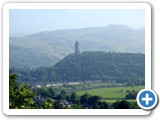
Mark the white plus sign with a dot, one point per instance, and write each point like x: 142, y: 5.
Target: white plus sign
x: 147, y: 99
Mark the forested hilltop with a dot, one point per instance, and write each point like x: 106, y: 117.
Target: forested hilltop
x: 90, y: 66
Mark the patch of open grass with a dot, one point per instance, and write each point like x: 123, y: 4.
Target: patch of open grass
x: 111, y: 93
x: 114, y: 100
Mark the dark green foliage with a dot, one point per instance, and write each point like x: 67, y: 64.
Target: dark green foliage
x: 109, y: 67
x: 93, y: 99
x: 20, y: 95
x: 121, y: 67
x: 125, y: 105
x: 45, y: 92
x: 52, y: 93
x: 92, y: 102
x: 121, y: 105
x: 74, y: 98
x: 101, y: 105
x: 84, y: 99
x: 63, y: 94
x: 131, y: 95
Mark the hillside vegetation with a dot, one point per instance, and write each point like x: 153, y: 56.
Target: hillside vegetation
x: 91, y: 66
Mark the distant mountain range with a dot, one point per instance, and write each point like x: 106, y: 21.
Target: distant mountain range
x: 47, y: 48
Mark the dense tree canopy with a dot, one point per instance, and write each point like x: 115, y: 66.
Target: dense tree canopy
x: 125, y: 105
x: 105, y: 66
x: 20, y: 95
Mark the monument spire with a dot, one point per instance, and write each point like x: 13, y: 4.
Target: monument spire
x: 77, y: 48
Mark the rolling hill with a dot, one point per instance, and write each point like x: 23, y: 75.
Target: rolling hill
x: 47, y: 48
x: 91, y: 66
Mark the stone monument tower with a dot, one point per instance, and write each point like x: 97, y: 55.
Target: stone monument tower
x: 77, y: 48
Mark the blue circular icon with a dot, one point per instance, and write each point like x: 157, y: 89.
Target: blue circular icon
x: 147, y: 99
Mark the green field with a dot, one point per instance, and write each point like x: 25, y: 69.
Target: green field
x: 111, y: 93
x: 112, y: 101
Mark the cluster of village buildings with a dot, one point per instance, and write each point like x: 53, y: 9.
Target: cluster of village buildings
x: 67, y: 83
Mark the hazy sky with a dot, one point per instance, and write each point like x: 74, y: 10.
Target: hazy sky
x: 31, y: 21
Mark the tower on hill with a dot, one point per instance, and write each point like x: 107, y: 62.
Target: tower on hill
x: 77, y: 48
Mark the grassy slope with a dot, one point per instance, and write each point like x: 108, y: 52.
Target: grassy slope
x: 112, y: 101
x: 111, y: 93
